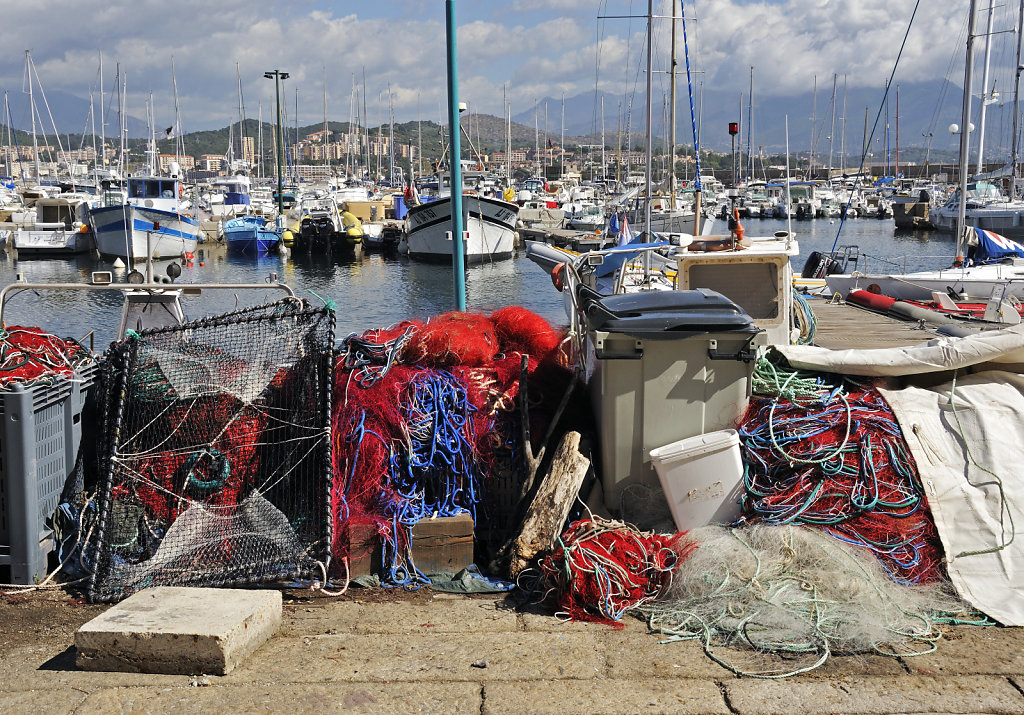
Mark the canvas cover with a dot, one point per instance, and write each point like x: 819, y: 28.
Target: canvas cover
x: 967, y: 437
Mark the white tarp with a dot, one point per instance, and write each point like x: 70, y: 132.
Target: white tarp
x: 967, y: 437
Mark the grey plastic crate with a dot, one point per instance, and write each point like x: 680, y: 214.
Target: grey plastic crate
x: 40, y: 432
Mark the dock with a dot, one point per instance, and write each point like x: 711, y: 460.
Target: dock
x: 842, y: 326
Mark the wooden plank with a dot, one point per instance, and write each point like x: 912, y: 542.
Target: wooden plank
x: 444, y: 544
x: 842, y: 326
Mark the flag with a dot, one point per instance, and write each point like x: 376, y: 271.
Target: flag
x: 549, y: 143
x: 625, y: 236
x: 169, y: 132
x: 613, y: 225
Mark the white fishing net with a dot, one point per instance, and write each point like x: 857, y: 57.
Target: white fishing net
x: 772, y: 601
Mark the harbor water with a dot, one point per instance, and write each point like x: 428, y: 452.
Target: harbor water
x: 372, y: 290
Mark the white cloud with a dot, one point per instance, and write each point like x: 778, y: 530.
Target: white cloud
x: 539, y: 47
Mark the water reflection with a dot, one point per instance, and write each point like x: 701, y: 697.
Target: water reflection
x: 371, y: 289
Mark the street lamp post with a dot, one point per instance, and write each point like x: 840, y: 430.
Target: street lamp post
x: 277, y: 76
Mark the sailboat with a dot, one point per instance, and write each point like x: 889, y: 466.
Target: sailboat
x: 994, y: 263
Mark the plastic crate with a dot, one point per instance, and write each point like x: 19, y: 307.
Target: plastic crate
x: 40, y: 432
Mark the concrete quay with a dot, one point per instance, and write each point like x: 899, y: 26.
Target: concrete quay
x: 378, y: 651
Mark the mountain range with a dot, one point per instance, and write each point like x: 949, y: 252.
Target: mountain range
x: 925, y: 108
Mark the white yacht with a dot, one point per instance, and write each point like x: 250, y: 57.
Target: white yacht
x: 61, y: 227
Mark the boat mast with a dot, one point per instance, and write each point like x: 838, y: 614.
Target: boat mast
x: 561, y: 143
x: 672, y: 120
x: 750, y: 126
x: 896, y: 172
x: 366, y: 118
x: 103, y: 119
x: 604, y: 165
x: 391, y: 136
x: 814, y: 119
x: 842, y: 144
x: 965, y: 123
x: 986, y: 97
x: 650, y: 74
x: 326, y: 136
x: 832, y: 131
x: 241, y: 118
x: 32, y: 111
x: 1016, y: 105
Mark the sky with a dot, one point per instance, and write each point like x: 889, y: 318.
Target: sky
x: 523, y: 49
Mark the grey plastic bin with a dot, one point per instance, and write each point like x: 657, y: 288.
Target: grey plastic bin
x: 668, y: 365
x: 40, y: 432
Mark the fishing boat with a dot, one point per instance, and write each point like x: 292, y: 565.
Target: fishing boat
x: 152, y: 216
x: 61, y: 227
x: 489, y: 226
x: 251, y: 234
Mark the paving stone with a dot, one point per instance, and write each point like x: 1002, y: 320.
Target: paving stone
x: 604, y: 696
x: 973, y: 651
x: 640, y: 655
x: 179, y: 630
x: 543, y: 621
x: 319, y: 698
x: 376, y: 658
x: 52, y: 667
x: 964, y: 694
x: 41, y: 702
x: 458, y: 616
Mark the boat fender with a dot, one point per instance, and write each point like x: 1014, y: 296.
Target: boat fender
x: 558, y: 277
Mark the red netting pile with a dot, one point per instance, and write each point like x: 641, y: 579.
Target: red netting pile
x: 602, y: 569
x: 422, y: 412
x: 840, y: 463
x: 28, y: 355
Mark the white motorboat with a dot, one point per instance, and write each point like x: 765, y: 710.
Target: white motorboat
x: 152, y: 221
x: 61, y: 227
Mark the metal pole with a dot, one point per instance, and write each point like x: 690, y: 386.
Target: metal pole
x: 965, y: 138
x: 455, y: 153
x: 278, y: 75
x: 650, y: 72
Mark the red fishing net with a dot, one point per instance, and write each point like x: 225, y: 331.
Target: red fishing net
x: 602, y: 569
x: 29, y: 354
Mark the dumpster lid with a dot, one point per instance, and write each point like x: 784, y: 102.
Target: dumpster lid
x: 668, y: 311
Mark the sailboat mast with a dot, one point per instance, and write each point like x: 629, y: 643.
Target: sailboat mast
x: 1016, y: 104
x: 241, y: 117
x: 604, y: 165
x: 965, y: 123
x: 327, y: 153
x: 32, y: 111
x: 391, y: 136
x: 750, y: 126
x: 897, y: 170
x: 832, y: 131
x: 650, y: 74
x: 842, y: 144
x: 814, y: 120
x: 672, y: 118
x: 986, y: 96
x: 103, y: 119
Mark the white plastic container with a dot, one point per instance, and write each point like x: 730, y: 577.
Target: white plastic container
x: 702, y: 478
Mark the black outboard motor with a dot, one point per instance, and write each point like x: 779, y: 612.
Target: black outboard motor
x: 819, y: 265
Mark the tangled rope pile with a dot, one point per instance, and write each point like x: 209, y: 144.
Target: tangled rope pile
x: 601, y: 569
x: 423, y: 413
x: 826, y: 451
x: 29, y: 355
x: 784, y: 598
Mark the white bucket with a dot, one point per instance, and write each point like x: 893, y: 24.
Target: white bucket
x: 702, y: 478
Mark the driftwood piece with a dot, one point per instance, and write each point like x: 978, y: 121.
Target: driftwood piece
x: 551, y: 505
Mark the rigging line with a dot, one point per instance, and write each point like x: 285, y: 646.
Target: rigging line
x: 689, y: 86
x: 949, y: 70
x: 600, y: 32
x: 888, y: 85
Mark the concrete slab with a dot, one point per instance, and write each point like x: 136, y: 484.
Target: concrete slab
x: 973, y: 651
x: 179, y: 630
x: 640, y: 656
x: 459, y: 615
x: 425, y: 657
x: 600, y: 697
x: 41, y: 702
x: 964, y: 694
x: 319, y: 698
x: 50, y: 666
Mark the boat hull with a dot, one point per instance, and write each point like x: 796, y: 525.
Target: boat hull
x: 125, y: 230
x: 976, y: 281
x: 490, y: 224
x: 60, y: 242
x: 250, y: 236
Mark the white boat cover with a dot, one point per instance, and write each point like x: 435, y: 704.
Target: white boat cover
x: 967, y: 437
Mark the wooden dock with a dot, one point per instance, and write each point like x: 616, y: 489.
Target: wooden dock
x: 842, y: 326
